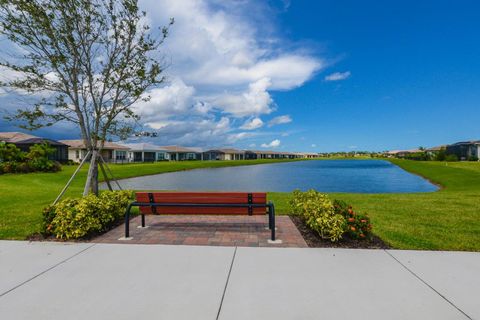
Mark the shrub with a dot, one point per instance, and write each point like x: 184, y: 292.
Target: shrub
x: 79, y: 218
x: 357, y: 225
x: 38, y: 157
x: 451, y: 157
x: 318, y: 212
x: 13, y: 160
x: 10, y: 152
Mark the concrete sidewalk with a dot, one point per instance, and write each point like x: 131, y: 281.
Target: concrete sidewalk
x: 114, y: 281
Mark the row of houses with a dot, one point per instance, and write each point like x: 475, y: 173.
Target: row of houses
x: 75, y: 150
x: 463, y: 150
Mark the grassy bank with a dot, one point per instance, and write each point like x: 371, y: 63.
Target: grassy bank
x: 23, y: 196
x: 445, y: 220
x: 448, y: 219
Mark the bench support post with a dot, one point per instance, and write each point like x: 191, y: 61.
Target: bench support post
x: 143, y: 221
x: 271, y: 219
x: 127, y: 220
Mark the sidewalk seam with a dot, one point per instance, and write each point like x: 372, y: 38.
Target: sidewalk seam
x: 226, y: 283
x: 428, y: 285
x: 46, y: 270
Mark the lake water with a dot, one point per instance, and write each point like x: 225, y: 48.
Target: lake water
x: 353, y: 176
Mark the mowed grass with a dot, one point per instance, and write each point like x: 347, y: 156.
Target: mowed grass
x: 448, y: 219
x: 23, y: 196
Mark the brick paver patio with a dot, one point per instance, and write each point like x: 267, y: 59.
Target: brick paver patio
x: 243, y: 231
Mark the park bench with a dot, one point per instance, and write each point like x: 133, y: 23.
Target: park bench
x: 202, y: 203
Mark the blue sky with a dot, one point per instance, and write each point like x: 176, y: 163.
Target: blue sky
x: 314, y: 75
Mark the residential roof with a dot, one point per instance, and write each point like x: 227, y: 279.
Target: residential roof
x: 403, y: 151
x: 24, y: 138
x: 78, y: 144
x: 437, y: 148
x: 228, y: 150
x: 269, y: 152
x: 143, y: 147
x: 178, y: 149
x: 467, y: 142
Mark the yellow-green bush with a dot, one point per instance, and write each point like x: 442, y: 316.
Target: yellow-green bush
x: 79, y: 218
x: 318, y: 212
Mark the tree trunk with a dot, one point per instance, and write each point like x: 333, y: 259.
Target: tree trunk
x: 91, y: 184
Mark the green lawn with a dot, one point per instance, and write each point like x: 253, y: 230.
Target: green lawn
x: 23, y: 196
x: 448, y: 219
x: 445, y: 220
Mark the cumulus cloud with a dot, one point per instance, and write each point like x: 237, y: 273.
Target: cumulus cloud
x: 274, y: 144
x: 222, y: 61
x: 280, y: 120
x: 252, y: 124
x: 338, y: 76
x: 255, y: 101
x: 173, y: 99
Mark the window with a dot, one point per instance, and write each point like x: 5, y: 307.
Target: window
x: 160, y: 156
x: 121, y: 155
x: 77, y: 154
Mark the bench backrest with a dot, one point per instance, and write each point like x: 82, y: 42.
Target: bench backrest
x: 203, y: 198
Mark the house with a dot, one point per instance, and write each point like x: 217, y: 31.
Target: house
x: 307, y: 155
x: 145, y: 152
x: 465, y: 150
x: 224, y: 154
x: 177, y: 153
x: 24, y: 141
x: 266, y: 154
x: 435, y: 150
x: 111, y: 152
x: 401, y: 153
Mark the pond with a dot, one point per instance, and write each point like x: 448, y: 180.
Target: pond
x: 352, y: 176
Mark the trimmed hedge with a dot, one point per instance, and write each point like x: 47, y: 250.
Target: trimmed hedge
x: 87, y: 216
x: 330, y: 219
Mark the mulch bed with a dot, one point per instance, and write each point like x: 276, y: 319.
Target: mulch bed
x: 314, y: 241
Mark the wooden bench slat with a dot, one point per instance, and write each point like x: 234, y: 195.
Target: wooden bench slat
x: 204, y: 194
x: 202, y: 211
x: 203, y: 198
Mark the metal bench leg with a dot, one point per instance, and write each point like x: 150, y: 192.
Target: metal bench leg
x: 143, y: 221
x: 272, y: 221
x: 127, y: 223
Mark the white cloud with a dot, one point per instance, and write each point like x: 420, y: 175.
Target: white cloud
x: 223, y: 60
x: 255, y: 101
x: 314, y: 145
x: 274, y: 144
x: 337, y: 76
x: 252, y: 124
x: 173, y: 99
x: 280, y: 120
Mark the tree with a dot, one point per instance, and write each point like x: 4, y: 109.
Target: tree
x: 87, y: 61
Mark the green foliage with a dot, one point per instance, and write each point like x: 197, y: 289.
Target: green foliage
x: 451, y: 157
x: 319, y: 214
x: 80, y: 218
x: 10, y: 153
x: 13, y: 160
x: 357, y: 225
x: 440, y: 155
x: 420, y: 156
x: 38, y: 157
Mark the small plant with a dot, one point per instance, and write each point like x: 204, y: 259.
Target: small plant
x: 80, y: 218
x: 357, y: 225
x: 318, y: 212
x: 14, y: 160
